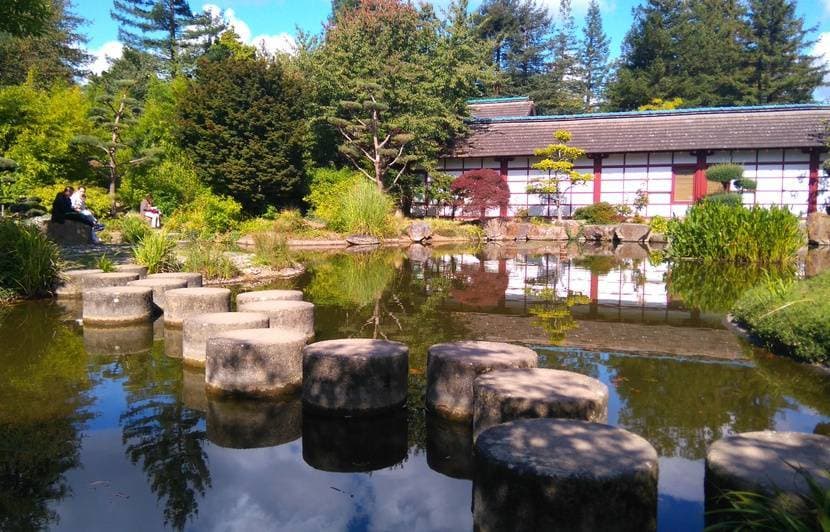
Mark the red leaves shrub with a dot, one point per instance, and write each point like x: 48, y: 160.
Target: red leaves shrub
x: 482, y: 190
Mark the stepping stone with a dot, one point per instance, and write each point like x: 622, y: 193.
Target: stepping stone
x: 508, y: 394
x: 104, y: 280
x: 196, y: 330
x: 452, y: 368
x: 449, y: 447
x: 72, y: 286
x: 194, y: 279
x: 182, y: 302
x: 251, y: 424
x: 116, y: 341
x: 132, y: 268
x: 160, y: 287
x: 563, y: 474
x: 255, y: 362
x: 118, y: 305
x: 267, y: 295
x: 288, y: 315
x: 355, y: 376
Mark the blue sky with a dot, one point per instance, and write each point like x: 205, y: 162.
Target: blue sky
x: 275, y: 21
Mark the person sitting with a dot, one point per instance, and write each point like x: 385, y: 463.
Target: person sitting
x: 62, y: 210
x: 148, y: 210
x: 78, y: 200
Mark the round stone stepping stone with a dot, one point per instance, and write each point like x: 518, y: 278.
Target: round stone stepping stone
x: 564, y: 474
x: 251, y: 424
x: 449, y: 447
x: 118, y: 305
x: 160, y: 287
x: 194, y: 279
x: 758, y: 462
x: 245, y: 298
x: 115, y: 341
x: 132, y: 268
x: 452, y: 368
x: 289, y: 315
x: 355, y: 444
x: 104, y: 280
x: 508, y: 394
x: 354, y: 376
x: 72, y: 286
x: 255, y: 362
x: 182, y: 302
x: 197, y: 329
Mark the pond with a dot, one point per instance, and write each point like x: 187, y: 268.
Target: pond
x: 104, y: 430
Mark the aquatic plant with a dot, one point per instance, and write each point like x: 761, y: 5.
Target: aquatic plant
x: 209, y: 259
x: 29, y: 262
x: 271, y: 249
x: 156, y: 251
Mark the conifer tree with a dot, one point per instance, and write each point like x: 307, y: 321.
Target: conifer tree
x: 558, y: 90
x: 558, y: 161
x: 593, y: 58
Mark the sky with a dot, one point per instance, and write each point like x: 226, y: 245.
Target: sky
x: 275, y: 22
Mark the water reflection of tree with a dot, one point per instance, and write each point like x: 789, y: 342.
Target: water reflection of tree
x: 479, y: 289
x: 552, y: 312
x: 43, y: 408
x: 162, y: 434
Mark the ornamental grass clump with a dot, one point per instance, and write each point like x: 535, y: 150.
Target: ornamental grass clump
x: 715, y: 231
x: 30, y: 263
x: 209, y: 259
x: 156, y: 251
x: 367, y: 210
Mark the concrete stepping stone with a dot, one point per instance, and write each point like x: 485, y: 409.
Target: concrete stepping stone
x: 355, y: 444
x: 194, y: 279
x: 355, y: 376
x: 197, y: 329
x: 255, y: 362
x: 72, y: 285
x: 115, y: 341
x: 251, y: 424
x: 452, y: 368
x: 118, y: 305
x: 160, y: 288
x: 288, y: 315
x: 132, y: 268
x: 183, y: 302
x: 508, y: 394
x: 104, y: 280
x: 268, y: 295
x: 449, y: 447
x: 564, y: 474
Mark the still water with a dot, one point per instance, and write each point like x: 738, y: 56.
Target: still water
x: 104, y: 430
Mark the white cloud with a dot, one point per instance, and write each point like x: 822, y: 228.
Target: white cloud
x: 282, y: 42
x: 272, y: 44
x: 822, y: 52
x: 105, y: 55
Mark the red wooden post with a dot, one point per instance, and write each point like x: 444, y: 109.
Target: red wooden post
x: 700, y: 185
x: 812, y: 197
x: 597, y: 177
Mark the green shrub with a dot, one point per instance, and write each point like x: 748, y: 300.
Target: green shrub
x: 288, y: 221
x: 271, y: 249
x: 719, y: 231
x: 206, y: 216
x: 793, y: 319
x: 29, y: 262
x: 601, y: 213
x: 724, y: 173
x: 326, y: 192
x: 156, y: 251
x: 455, y: 229
x: 133, y: 228
x: 658, y: 224
x: 209, y: 259
x: 105, y: 264
x: 728, y: 198
x: 97, y: 198
x: 367, y: 210
x: 172, y: 182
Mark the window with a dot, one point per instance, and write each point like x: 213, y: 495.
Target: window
x: 683, y: 184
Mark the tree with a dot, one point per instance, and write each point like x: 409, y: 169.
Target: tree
x: 593, y: 58
x: 21, y: 18
x: 481, y: 190
x: 559, y: 90
x: 242, y: 122
x: 202, y: 34
x: 659, y: 104
x: 338, y: 5
x: 558, y: 162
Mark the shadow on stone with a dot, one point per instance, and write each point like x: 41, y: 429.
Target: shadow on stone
x: 249, y: 424
x: 449, y: 447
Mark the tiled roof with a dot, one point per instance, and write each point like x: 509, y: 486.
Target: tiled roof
x: 518, y: 106
x: 794, y: 126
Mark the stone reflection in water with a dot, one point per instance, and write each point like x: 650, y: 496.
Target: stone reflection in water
x: 194, y: 394
x: 356, y: 444
x: 164, y: 436
x: 115, y: 341
x: 71, y: 309
x: 450, y: 447
x: 238, y: 423
x: 173, y: 342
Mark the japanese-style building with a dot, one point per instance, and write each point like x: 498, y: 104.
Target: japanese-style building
x: 664, y: 153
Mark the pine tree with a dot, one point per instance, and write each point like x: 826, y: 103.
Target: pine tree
x: 558, y: 91
x: 593, y: 58
x: 203, y: 33
x: 782, y: 71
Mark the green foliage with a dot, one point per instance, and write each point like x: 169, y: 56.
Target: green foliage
x: 719, y: 231
x: 21, y: 18
x: 602, y: 213
x: 454, y: 229
x: 206, y: 216
x: 793, y: 319
x: 352, y: 280
x: 29, y: 262
x: 558, y: 161
x: 326, y: 193
x: 209, y: 259
x: 133, y: 228
x: 271, y: 249
x: 659, y: 104
x: 732, y: 199
x: 593, y: 58
x: 725, y: 173
x: 97, y: 199
x: 172, y: 182
x: 105, y: 264
x: 156, y: 251
x: 288, y: 221
x: 367, y: 210
x: 658, y: 224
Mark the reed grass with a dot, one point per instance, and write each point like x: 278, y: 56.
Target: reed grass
x: 156, y: 251
x: 30, y: 263
x: 209, y: 259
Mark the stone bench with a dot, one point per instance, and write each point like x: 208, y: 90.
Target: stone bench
x: 452, y: 368
x: 355, y: 376
x: 245, y: 298
x: 183, y: 302
x: 563, y: 474
x: 508, y: 394
x: 69, y: 233
x: 197, y: 329
x: 72, y: 283
x: 288, y: 315
x: 255, y: 362
x: 118, y: 305
x: 160, y: 288
x: 104, y: 280
x: 250, y: 424
x: 194, y: 279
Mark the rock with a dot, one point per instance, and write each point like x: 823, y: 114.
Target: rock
x: 508, y: 394
x: 245, y: 298
x: 418, y: 253
x: 194, y: 279
x: 197, y: 329
x: 657, y: 238
x: 160, y: 288
x: 295, y: 316
x: 631, y: 251
x: 355, y: 376
x: 132, y: 268
x: 250, y: 424
x: 419, y: 231
x: 118, y: 341
x: 598, y: 233
x: 362, y: 240
x: 69, y: 233
x: 452, y: 368
x: 628, y: 232
x: 449, y: 447
x: 517, y: 231
x: 104, y: 280
x: 546, y: 232
x: 255, y: 362
x: 118, y: 305
x: 573, y: 228
x: 563, y: 474
x: 72, y: 283
x: 495, y: 229
x: 818, y: 229
x: 816, y: 261
x: 183, y: 302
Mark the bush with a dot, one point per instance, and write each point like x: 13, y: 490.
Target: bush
x: 156, y: 251
x: 288, y: 221
x: 455, y: 229
x: 133, y: 228
x: 724, y: 173
x: 367, y: 210
x: 326, y: 193
x: 728, y: 198
x: 793, y: 319
x: 271, y: 249
x: 209, y: 259
x: 602, y: 213
x: 29, y: 262
x: 172, y: 182
x: 658, y: 224
x: 97, y: 198
x: 105, y: 264
x: 718, y: 231
x: 207, y: 216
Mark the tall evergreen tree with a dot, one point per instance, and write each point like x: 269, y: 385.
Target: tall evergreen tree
x: 558, y: 90
x: 593, y: 58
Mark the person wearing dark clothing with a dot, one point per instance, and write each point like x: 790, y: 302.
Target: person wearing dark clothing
x: 62, y: 209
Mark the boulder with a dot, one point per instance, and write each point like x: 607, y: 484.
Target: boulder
x: 517, y: 231
x: 818, y: 229
x: 657, y: 238
x: 495, y: 229
x: 547, y: 232
x: 631, y: 251
x: 573, y: 228
x: 627, y: 232
x: 69, y: 233
x: 418, y: 253
x: 598, y: 233
x: 419, y: 231
x: 362, y: 240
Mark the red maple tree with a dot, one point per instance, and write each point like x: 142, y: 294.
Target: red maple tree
x: 481, y: 190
